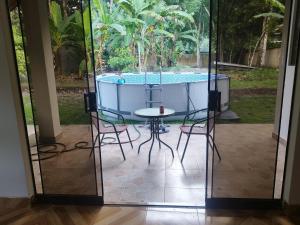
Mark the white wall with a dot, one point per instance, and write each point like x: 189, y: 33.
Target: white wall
x: 15, y: 177
x: 291, y: 193
x: 292, y: 181
x: 288, y: 91
x: 286, y: 104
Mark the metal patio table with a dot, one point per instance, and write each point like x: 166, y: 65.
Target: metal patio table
x: 154, y: 116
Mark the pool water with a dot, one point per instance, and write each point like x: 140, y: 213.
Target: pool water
x: 155, y: 78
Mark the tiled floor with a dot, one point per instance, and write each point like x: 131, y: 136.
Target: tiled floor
x: 246, y: 170
x: 164, y: 181
x: 248, y: 161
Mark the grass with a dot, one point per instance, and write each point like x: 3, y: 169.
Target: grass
x: 251, y: 108
x: 71, y: 110
x: 254, y: 109
x: 27, y: 109
x: 253, y: 79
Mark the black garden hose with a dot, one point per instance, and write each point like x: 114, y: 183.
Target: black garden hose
x: 48, y: 151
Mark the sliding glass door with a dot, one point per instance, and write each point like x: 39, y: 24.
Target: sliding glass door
x: 66, y: 165
x: 250, y: 101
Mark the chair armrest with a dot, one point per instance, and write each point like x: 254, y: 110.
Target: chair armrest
x: 200, y: 121
x: 118, y: 114
x: 192, y: 113
x: 103, y: 120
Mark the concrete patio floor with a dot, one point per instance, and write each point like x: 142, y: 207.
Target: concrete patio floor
x: 246, y: 170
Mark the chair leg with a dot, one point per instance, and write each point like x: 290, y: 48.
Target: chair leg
x: 129, y: 138
x: 102, y: 138
x: 94, y: 144
x: 117, y: 134
x: 215, y: 147
x: 179, y: 140
x: 186, y: 144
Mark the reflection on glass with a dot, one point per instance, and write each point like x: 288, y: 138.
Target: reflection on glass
x: 244, y: 132
x: 26, y: 93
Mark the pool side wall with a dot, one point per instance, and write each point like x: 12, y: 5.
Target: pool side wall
x: 127, y: 98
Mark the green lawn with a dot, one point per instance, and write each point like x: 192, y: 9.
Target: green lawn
x: 251, y: 108
x: 71, y: 110
x: 256, y: 78
x: 27, y: 109
x: 254, y: 109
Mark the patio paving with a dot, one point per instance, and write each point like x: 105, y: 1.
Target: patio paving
x: 165, y: 180
x: 246, y: 169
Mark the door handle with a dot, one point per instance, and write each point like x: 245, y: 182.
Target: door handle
x: 90, y: 102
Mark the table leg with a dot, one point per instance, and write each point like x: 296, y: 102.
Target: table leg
x: 160, y: 141
x: 151, y: 132
x: 157, y: 132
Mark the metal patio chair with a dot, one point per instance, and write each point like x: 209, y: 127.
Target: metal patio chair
x: 107, y: 127
x: 198, y: 127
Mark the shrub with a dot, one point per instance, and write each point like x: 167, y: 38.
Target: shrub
x: 122, y: 60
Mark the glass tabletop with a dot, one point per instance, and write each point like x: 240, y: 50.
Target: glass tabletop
x: 153, y: 112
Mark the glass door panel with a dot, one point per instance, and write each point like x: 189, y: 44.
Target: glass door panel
x: 72, y: 171
x: 65, y: 163
x: 212, y: 94
x: 92, y: 93
x: 26, y: 91
x: 244, y: 130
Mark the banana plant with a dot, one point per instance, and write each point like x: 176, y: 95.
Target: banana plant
x: 104, y: 23
x: 64, y: 32
x: 277, y: 10
x: 150, y: 18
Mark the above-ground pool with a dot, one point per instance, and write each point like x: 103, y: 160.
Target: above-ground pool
x: 183, y: 92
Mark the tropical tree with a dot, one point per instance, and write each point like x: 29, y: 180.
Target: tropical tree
x: 18, y: 43
x: 65, y: 31
x: 135, y: 11
x: 201, y: 14
x: 149, y: 22
x: 276, y: 12
x: 105, y: 23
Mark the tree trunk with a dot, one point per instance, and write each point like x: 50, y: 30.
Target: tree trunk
x: 64, y: 7
x: 230, y: 56
x: 263, y: 43
x: 139, y: 57
x: 57, y: 63
x: 198, y: 52
x: 110, y: 5
x: 198, y: 55
x: 256, y: 46
x: 221, y: 52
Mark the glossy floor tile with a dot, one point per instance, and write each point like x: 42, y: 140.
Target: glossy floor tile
x: 165, y: 181
x: 246, y: 170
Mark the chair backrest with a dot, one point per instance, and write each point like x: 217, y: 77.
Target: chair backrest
x: 98, y: 123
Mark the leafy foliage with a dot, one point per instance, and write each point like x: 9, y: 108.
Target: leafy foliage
x: 122, y: 60
x: 241, y: 25
x: 18, y: 41
x: 66, y: 31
